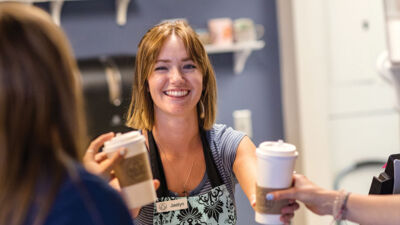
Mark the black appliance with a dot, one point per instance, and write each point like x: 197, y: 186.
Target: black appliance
x: 107, y: 87
x: 383, y: 184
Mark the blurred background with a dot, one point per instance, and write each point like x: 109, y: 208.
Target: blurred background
x: 308, y: 76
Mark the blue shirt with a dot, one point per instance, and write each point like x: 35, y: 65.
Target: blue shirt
x: 89, y: 201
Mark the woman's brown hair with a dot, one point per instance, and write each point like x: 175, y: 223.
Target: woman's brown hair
x: 141, y: 114
x: 42, y: 126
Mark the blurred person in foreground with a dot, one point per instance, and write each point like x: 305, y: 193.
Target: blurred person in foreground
x: 42, y: 129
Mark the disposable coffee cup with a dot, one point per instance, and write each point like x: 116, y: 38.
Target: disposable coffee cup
x: 275, y: 164
x: 133, y: 172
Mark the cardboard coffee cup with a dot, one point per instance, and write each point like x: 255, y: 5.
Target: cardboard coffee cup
x: 133, y: 172
x: 275, y: 164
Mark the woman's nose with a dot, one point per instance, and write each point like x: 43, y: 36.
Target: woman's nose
x: 176, y: 75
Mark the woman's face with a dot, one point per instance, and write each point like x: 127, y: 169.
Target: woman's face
x: 176, y: 82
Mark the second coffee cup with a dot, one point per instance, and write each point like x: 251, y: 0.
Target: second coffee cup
x: 275, y: 164
x: 133, y: 172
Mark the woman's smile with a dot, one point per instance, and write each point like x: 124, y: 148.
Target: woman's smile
x: 177, y: 93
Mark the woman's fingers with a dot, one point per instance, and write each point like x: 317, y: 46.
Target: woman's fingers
x: 135, y: 212
x: 95, y: 145
x: 100, y: 163
x: 115, y: 184
x: 288, y: 212
x: 253, y: 200
x: 107, y: 165
x: 99, y: 157
x: 156, y: 184
x: 287, y: 218
x: 283, y: 194
x: 289, y: 209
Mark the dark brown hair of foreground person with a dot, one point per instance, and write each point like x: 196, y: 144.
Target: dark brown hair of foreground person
x: 140, y: 114
x: 42, y: 127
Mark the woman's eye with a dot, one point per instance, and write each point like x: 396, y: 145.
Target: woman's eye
x: 160, y: 68
x: 189, y: 66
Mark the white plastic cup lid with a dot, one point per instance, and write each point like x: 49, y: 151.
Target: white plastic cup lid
x: 122, y: 139
x: 276, y: 148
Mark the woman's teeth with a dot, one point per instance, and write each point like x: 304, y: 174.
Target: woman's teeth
x: 176, y: 93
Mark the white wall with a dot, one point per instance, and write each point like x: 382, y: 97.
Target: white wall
x: 362, y: 120
x: 345, y: 111
x: 304, y: 85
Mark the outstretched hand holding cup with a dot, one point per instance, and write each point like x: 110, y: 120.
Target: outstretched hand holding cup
x: 314, y: 197
x: 97, y: 162
x: 275, y: 164
x: 133, y: 172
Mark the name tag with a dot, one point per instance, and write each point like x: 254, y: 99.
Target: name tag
x: 172, y: 205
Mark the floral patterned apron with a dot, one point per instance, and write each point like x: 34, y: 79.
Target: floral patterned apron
x: 213, y: 207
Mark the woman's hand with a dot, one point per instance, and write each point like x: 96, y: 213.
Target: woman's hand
x: 316, y: 199
x: 98, y: 163
x: 287, y: 212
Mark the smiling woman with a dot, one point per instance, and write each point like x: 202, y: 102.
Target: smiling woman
x: 195, y: 161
